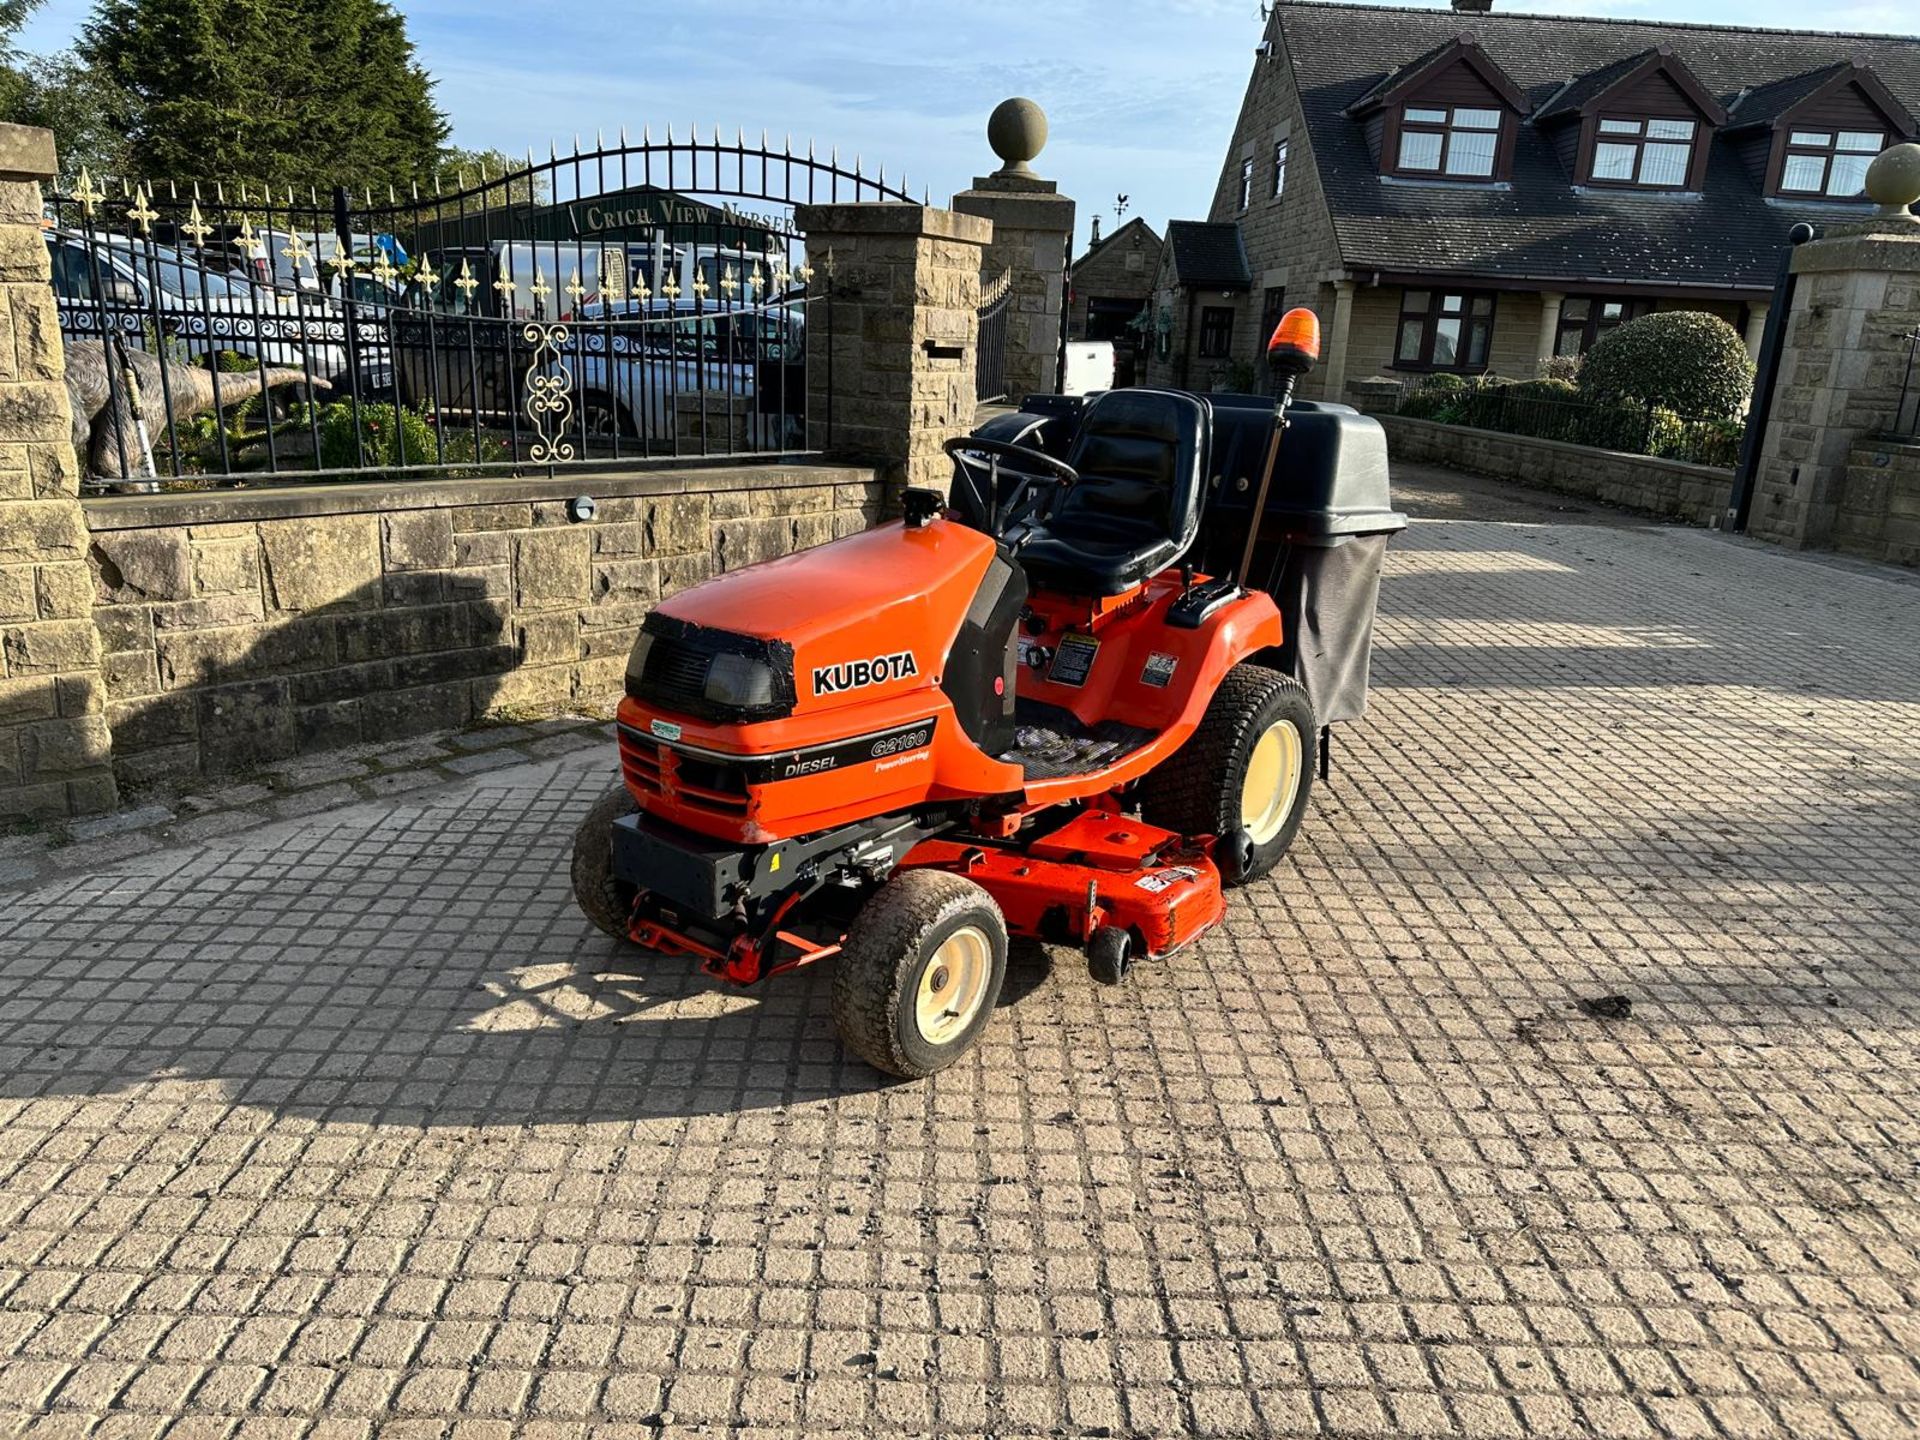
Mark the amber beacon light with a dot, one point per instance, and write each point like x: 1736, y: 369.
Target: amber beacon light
x: 1295, y: 345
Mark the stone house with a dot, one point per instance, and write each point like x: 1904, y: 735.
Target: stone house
x: 1109, y: 287
x: 1194, y: 327
x: 1470, y: 191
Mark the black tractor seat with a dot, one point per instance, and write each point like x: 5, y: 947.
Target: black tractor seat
x: 1142, y: 458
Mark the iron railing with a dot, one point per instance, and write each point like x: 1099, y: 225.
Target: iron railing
x: 990, y: 349
x: 1633, y: 429
x: 621, y: 304
x: 1906, y: 412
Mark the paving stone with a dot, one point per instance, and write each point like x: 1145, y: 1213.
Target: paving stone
x: 485, y: 760
x: 487, y: 737
x: 135, y: 818
x: 352, y: 1123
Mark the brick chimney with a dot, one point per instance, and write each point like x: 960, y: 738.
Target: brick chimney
x: 1472, y: 7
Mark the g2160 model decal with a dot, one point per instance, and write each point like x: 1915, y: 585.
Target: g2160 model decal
x: 858, y: 674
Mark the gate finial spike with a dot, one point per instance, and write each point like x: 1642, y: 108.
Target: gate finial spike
x: 576, y: 142
x: 669, y: 132
x: 196, y: 189
x: 220, y: 192
x: 392, y: 199
x: 599, y: 139
x: 173, y: 190
x: 553, y: 152
x: 414, y: 186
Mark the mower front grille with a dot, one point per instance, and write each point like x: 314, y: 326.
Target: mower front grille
x: 658, y: 772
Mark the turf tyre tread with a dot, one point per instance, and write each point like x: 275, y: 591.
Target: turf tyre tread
x: 1197, y: 790
x: 878, y: 969
x: 603, y: 899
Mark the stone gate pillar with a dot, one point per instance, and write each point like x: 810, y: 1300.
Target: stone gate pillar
x: 1032, y: 233
x: 891, y: 333
x: 54, y: 744
x: 1845, y: 356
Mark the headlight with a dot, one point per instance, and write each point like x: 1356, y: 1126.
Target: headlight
x: 637, y: 660
x: 740, y: 682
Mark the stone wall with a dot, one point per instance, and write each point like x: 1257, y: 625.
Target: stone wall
x: 901, y: 323
x: 1032, y: 230
x: 1878, y: 515
x: 1669, y: 489
x: 1841, y: 369
x: 53, y: 736
x: 241, y: 627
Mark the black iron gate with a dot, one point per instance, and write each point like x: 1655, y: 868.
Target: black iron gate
x: 990, y: 351
x: 625, y: 303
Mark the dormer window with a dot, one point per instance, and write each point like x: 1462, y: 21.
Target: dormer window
x: 1451, y: 114
x: 1452, y: 140
x: 1831, y: 164
x: 1656, y: 154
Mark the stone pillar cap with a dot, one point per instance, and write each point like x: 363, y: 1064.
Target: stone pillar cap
x: 26, y: 153
x: 1893, y: 181
x: 1017, y: 131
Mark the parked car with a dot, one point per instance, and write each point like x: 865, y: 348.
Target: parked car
x: 107, y: 281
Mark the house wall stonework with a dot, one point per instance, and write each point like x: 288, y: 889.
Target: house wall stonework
x: 54, y: 741
x: 1290, y: 239
x: 1122, y: 268
x: 240, y: 628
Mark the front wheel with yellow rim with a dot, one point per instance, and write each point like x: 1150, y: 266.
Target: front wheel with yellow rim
x: 920, y: 972
x: 1244, y: 776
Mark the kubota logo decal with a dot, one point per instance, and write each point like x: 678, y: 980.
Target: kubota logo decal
x: 857, y: 674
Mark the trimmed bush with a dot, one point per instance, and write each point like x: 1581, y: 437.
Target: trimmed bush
x: 1682, y: 360
x: 1434, y: 396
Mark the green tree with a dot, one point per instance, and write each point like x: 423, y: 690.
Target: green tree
x: 301, y: 92
x: 59, y: 93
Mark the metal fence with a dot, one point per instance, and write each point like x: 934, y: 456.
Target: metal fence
x: 622, y: 304
x: 1906, y: 414
x: 990, y: 351
x: 1634, y: 429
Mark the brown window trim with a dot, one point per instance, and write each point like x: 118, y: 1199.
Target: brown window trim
x: 1213, y: 339
x: 1397, y: 124
x: 1697, y: 147
x: 1430, y: 318
x: 1594, y: 324
x: 1785, y: 150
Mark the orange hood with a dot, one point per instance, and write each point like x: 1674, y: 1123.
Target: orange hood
x: 868, y: 616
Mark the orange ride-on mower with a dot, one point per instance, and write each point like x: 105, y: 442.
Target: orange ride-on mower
x: 1066, y: 708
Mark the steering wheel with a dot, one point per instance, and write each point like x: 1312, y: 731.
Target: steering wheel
x: 1024, y: 504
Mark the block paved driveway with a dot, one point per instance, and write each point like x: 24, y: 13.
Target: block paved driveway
x: 352, y: 1121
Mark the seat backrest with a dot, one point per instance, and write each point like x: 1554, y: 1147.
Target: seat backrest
x: 1141, y: 457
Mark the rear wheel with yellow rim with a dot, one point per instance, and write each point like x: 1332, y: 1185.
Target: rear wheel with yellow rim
x: 1244, y: 776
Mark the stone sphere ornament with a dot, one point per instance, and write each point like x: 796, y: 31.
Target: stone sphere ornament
x: 1017, y: 131
x: 1893, y: 181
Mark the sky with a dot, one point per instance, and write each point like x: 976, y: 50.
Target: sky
x: 1141, y: 95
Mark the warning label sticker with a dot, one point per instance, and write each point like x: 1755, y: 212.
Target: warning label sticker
x: 1159, y: 669
x: 1073, y: 661
x: 1162, y: 880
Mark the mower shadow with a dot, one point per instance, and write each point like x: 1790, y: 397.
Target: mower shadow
x: 417, y: 964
